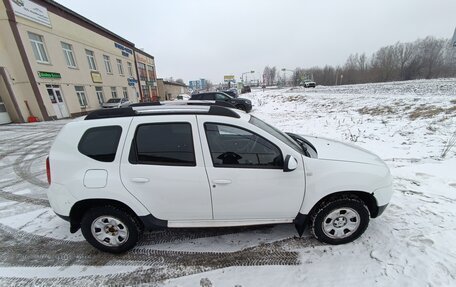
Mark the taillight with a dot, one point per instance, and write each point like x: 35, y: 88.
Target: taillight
x: 48, y: 170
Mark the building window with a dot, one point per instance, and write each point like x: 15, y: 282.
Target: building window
x: 91, y: 60
x: 150, y: 73
x: 146, y: 94
x: 119, y: 66
x: 69, y: 55
x: 142, y: 72
x: 130, y: 69
x: 125, y: 92
x: 39, y: 50
x: 114, y: 92
x: 100, y: 96
x: 107, y: 62
x: 81, y: 96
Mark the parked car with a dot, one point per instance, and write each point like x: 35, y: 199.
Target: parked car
x: 116, y: 103
x: 309, y: 84
x: 238, y: 103
x: 183, y: 97
x: 246, y: 89
x: 123, y: 171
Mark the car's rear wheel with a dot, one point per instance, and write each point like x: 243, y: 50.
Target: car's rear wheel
x: 110, y: 229
x: 340, y: 220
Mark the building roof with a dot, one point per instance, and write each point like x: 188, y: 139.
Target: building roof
x: 173, y: 83
x: 61, y: 10
x: 143, y: 53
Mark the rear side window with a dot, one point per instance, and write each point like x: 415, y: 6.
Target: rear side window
x: 196, y: 97
x: 100, y: 143
x: 208, y: 97
x: 163, y: 144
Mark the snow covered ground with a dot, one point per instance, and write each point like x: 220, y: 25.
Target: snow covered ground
x: 413, y: 243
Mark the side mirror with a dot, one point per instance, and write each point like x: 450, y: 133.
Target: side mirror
x: 290, y: 163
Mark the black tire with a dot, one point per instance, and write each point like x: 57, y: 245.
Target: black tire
x: 351, y: 221
x: 126, y: 223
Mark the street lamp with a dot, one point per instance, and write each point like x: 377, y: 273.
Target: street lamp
x: 242, y: 77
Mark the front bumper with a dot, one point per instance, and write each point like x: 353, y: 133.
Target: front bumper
x: 381, y: 209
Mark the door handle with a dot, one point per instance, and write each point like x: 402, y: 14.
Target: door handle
x: 221, y: 181
x: 140, y: 179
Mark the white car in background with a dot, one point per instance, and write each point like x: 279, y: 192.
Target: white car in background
x: 116, y: 103
x: 122, y: 171
x: 183, y: 97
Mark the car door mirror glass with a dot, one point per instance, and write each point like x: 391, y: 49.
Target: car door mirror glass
x: 290, y: 163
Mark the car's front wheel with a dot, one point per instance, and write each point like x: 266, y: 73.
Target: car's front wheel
x: 241, y: 107
x: 110, y: 229
x: 340, y: 220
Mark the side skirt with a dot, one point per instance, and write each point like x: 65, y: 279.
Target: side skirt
x: 226, y: 223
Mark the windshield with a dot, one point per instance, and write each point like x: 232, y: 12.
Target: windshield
x: 112, y: 101
x: 276, y: 133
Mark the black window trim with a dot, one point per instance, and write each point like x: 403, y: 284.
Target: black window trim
x: 242, y: 166
x: 133, y: 154
x: 84, y: 135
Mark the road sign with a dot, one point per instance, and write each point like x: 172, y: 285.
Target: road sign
x: 228, y: 78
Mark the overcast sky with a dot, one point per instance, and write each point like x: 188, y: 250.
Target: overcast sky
x: 212, y: 38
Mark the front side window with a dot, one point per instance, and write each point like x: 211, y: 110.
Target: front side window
x: 163, y: 144
x: 235, y: 147
x: 39, y: 50
x: 100, y: 95
x: 69, y: 55
x: 220, y: 97
x: 80, y: 93
x: 100, y: 143
x: 120, y: 67
x: 91, y: 59
x: 107, y: 62
x: 113, y: 92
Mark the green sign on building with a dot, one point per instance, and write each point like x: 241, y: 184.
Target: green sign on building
x: 49, y: 75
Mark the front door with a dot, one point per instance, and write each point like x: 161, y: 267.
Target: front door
x: 245, y: 171
x: 162, y: 166
x: 58, y: 103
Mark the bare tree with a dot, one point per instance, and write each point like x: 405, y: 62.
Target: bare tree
x: 425, y: 58
x: 432, y: 55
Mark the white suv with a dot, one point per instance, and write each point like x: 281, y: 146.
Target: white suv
x: 119, y: 172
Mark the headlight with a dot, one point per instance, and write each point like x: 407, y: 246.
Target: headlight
x: 247, y: 102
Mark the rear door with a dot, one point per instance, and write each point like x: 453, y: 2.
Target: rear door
x: 163, y: 167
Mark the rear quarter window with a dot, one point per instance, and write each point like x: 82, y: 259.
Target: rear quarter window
x: 100, y: 143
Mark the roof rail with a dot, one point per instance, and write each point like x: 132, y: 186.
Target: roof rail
x: 189, y: 103
x: 147, y: 110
